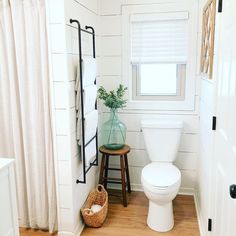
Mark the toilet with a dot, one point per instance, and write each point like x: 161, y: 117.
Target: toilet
x: 161, y: 179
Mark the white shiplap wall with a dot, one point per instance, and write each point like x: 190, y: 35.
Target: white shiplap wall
x: 111, y: 76
x: 63, y: 40
x: 205, y: 180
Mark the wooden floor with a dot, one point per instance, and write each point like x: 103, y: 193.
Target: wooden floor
x: 34, y: 232
x: 131, y: 221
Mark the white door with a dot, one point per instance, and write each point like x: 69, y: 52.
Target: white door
x: 225, y: 139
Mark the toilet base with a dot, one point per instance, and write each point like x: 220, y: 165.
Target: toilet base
x: 160, y: 217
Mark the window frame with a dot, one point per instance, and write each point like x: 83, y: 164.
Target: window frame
x: 186, y: 104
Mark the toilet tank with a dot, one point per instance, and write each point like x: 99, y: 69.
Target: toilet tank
x: 162, y: 138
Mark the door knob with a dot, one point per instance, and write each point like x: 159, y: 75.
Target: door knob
x: 232, y: 191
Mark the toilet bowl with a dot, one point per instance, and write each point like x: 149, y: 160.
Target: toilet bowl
x: 161, y: 183
x: 161, y: 179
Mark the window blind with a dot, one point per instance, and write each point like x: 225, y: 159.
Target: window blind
x: 159, y: 38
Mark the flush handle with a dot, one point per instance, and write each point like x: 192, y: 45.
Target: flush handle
x: 232, y: 191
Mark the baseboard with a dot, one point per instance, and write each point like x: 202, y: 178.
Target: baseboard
x: 134, y: 187
x: 199, y: 216
x: 77, y: 232
x: 63, y: 233
x: 187, y: 191
x: 139, y: 188
x: 79, y: 228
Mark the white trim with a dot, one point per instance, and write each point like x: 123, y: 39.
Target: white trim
x: 160, y: 16
x: 186, y: 191
x: 63, y: 233
x: 134, y: 187
x: 79, y: 228
x: 139, y: 188
x: 199, y: 215
x: 189, y: 102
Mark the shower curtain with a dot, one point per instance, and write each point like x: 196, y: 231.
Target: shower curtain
x: 25, y: 111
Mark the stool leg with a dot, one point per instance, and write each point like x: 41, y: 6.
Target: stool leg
x: 102, y: 169
x: 106, y: 171
x: 127, y: 173
x: 123, y: 180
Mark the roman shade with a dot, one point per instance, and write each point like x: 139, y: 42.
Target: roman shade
x: 159, y: 38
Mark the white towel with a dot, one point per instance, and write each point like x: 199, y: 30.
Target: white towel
x: 89, y: 71
x: 89, y: 95
x: 90, y: 126
x: 90, y: 152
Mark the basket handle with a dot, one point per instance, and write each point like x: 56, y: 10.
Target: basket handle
x: 100, y: 188
x: 88, y: 211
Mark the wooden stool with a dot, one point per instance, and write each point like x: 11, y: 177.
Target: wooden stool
x: 124, y: 169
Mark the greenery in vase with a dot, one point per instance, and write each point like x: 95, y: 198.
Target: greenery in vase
x: 113, y: 99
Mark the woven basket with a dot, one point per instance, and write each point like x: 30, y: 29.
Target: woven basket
x: 97, y: 196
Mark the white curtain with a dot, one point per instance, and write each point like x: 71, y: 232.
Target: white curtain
x: 25, y: 111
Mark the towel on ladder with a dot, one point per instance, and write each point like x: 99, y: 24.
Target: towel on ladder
x: 89, y: 72
x: 90, y: 126
x: 89, y: 90
x: 89, y: 98
x: 90, y: 152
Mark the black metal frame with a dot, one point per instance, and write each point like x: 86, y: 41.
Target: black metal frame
x: 83, y: 144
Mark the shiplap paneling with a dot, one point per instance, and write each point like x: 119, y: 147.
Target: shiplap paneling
x: 110, y: 66
x: 188, y: 177
x: 85, y: 16
x: 109, y: 82
x: 129, y: 2
x: 110, y: 7
x: 111, y: 46
x: 59, y: 68
x: 90, y: 5
x: 61, y: 98
x: 133, y: 121
x: 139, y: 158
x: 57, y: 37
x: 110, y: 25
x: 56, y: 16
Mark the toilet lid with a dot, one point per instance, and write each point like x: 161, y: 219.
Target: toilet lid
x: 161, y: 174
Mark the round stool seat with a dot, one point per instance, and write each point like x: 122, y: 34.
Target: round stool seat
x: 123, y: 151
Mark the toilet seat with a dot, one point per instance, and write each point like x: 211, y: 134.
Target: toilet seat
x: 161, y: 177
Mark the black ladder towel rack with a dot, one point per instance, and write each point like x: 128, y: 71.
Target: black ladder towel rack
x: 83, y: 144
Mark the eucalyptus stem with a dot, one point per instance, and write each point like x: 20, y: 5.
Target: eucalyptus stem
x: 113, y: 99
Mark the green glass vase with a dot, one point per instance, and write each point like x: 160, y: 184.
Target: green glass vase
x: 113, y: 132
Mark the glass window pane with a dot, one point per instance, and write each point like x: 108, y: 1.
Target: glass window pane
x: 158, y: 79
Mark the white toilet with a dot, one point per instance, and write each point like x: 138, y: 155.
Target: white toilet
x: 161, y: 179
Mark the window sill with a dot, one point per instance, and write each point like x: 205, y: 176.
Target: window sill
x: 186, y: 105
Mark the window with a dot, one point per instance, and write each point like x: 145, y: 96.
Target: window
x: 159, y: 81
x: 159, y: 56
